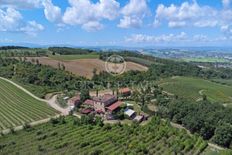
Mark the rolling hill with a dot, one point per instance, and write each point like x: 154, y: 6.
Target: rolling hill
x: 83, y: 66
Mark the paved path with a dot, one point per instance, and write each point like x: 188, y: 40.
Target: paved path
x: 51, y: 102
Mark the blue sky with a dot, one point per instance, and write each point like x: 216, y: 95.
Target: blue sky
x: 117, y: 22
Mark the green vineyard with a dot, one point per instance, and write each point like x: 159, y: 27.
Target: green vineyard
x: 17, y: 107
x: 67, y: 137
x: 194, y: 88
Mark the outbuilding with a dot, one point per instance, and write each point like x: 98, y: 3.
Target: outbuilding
x: 114, y: 106
x: 139, y: 118
x: 130, y: 113
x: 74, y: 101
x: 125, y: 92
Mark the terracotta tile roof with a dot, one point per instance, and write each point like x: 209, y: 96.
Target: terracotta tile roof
x: 86, y: 111
x: 89, y: 102
x: 100, y: 111
x: 104, y: 98
x: 114, y: 106
x: 124, y: 90
x: 74, y: 100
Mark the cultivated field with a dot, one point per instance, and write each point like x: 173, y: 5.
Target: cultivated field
x: 67, y: 137
x: 194, y: 88
x: 17, y: 107
x: 84, y: 67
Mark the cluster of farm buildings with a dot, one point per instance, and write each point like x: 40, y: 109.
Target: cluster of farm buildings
x: 105, y: 105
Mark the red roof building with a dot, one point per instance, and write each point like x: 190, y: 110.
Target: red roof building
x: 74, y: 101
x: 100, y: 112
x: 100, y: 103
x: 89, y: 102
x: 86, y: 111
x: 125, y: 91
x: 114, y: 106
x: 106, y: 99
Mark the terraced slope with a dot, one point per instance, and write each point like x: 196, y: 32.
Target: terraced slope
x: 17, y: 107
x: 67, y: 137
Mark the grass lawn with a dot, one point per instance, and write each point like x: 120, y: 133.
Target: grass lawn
x: 17, y: 107
x: 74, y: 57
x: 194, y: 88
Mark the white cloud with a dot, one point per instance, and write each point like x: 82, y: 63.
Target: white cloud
x: 177, y: 24
x: 12, y: 21
x: 187, y: 14
x: 21, y: 3
x: 133, y: 14
x: 31, y: 28
x: 89, y: 15
x: 206, y: 23
x: 52, y: 12
x: 200, y: 38
x: 227, y: 31
x: 181, y: 38
x: 226, y: 3
x: 129, y: 22
x: 141, y: 38
x: 92, y: 26
x: 5, y: 40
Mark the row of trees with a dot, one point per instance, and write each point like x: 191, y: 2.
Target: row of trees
x: 12, y: 47
x: 69, y: 51
x: 23, y: 53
